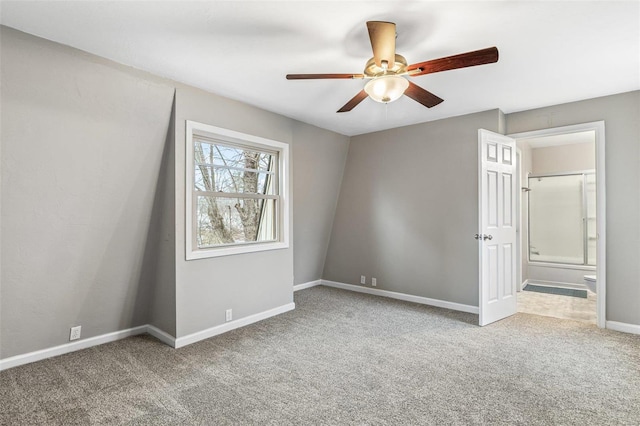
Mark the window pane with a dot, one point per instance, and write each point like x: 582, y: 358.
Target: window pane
x: 222, y: 220
x: 220, y: 168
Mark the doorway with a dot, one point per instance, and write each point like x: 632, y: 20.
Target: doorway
x: 557, y: 257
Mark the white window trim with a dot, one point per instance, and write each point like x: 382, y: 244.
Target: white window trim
x: 192, y: 252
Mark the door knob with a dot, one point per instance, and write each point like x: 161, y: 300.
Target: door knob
x: 483, y: 237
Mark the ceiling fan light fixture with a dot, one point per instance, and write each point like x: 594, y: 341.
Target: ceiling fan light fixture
x: 386, y: 88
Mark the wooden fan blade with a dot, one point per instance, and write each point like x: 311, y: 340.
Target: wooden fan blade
x: 422, y: 96
x: 463, y: 60
x: 321, y: 76
x: 383, y: 41
x: 354, y: 101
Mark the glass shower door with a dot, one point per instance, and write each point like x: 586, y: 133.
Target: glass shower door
x: 556, y: 219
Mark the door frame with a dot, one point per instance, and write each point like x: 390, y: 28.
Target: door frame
x: 601, y: 219
x: 519, y: 215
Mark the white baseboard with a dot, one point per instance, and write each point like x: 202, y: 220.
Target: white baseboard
x: 223, y: 328
x: 524, y: 284
x: 623, y: 327
x: 163, y: 336
x: 30, y: 357
x: 402, y: 296
x: 310, y: 284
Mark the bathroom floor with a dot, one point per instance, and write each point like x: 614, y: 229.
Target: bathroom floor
x: 558, y: 306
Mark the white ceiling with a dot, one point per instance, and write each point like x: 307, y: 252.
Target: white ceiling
x: 550, y: 51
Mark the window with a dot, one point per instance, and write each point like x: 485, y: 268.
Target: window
x: 237, y: 199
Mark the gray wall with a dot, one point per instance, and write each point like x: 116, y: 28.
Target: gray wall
x: 161, y: 276
x: 622, y: 133
x: 82, y: 144
x: 408, y: 210
x: 319, y: 158
x: 564, y: 158
x: 249, y: 283
x: 93, y: 201
x: 255, y: 282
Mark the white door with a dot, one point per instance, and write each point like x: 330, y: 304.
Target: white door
x: 497, y: 233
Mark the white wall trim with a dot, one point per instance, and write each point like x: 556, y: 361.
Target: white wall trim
x: 623, y: 327
x: 161, y: 335
x: 66, y: 348
x: 402, y: 296
x: 232, y: 325
x: 154, y: 331
x: 303, y: 286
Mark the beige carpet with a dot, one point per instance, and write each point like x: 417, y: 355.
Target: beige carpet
x: 344, y: 358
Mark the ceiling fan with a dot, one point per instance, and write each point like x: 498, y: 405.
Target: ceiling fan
x: 386, y: 70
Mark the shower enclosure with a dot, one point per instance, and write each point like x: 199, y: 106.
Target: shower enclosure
x: 562, y: 218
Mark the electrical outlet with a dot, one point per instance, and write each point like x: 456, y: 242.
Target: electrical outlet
x: 228, y: 316
x: 363, y: 279
x: 374, y: 282
x: 75, y: 333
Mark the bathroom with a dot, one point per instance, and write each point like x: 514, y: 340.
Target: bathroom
x: 558, y: 225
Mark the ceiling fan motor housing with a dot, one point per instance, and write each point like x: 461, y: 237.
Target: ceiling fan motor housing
x: 399, y: 67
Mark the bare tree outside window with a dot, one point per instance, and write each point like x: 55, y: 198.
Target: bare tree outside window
x: 235, y: 194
